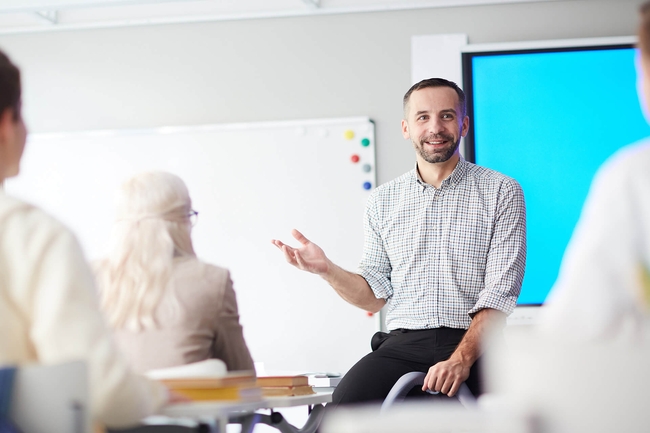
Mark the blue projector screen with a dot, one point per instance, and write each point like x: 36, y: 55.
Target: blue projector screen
x: 549, y: 118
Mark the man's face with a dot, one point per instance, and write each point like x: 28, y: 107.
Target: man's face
x: 643, y: 84
x: 434, y: 123
x: 13, y: 136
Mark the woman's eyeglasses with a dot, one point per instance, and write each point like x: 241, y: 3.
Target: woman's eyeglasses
x: 193, y: 216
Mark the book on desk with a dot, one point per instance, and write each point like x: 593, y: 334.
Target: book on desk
x: 295, y: 380
x: 237, y: 378
x: 273, y: 386
x: 225, y: 393
x: 209, y: 380
x: 288, y: 378
x: 277, y: 391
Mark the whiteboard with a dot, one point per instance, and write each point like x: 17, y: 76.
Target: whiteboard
x: 250, y: 183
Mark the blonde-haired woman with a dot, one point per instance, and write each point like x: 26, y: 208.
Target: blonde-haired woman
x: 166, y: 307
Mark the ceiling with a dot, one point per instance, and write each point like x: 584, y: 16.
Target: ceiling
x: 18, y: 16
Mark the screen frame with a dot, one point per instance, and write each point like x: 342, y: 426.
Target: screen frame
x: 469, y: 52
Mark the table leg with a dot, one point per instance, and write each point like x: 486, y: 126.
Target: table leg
x: 276, y: 420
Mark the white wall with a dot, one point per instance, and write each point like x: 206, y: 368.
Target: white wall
x: 271, y: 69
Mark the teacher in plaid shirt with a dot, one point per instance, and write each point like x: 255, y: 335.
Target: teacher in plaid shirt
x: 445, y: 252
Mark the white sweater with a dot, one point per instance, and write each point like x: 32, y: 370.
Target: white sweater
x: 49, y: 314
x: 603, y: 290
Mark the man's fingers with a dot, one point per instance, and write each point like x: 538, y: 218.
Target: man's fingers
x: 437, y: 383
x: 438, y: 380
x: 292, y: 255
x: 299, y: 237
x: 299, y: 260
x: 454, y: 389
x: 425, y: 385
x: 288, y: 254
x: 432, y: 381
x: 447, y: 385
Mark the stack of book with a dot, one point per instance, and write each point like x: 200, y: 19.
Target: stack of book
x: 274, y: 386
x: 209, y: 380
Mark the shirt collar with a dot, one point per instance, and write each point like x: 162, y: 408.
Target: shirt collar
x: 453, y: 179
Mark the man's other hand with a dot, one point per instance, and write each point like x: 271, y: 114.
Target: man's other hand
x: 446, y: 376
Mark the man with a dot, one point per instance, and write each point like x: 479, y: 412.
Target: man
x: 48, y: 310
x: 603, y: 288
x: 445, y: 248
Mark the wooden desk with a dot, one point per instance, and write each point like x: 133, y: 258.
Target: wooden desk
x: 220, y: 413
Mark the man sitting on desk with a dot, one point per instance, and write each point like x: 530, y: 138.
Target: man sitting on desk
x: 445, y: 250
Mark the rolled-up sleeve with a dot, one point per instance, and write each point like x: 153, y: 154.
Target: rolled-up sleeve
x: 506, y: 260
x: 375, y: 265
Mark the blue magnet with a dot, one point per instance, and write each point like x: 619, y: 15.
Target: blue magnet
x: 366, y: 168
x: 367, y: 185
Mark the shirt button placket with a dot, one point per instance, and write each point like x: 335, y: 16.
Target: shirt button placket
x: 435, y: 254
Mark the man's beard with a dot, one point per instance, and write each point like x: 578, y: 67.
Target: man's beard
x: 443, y: 154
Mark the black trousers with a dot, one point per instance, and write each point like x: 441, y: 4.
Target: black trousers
x: 395, y: 354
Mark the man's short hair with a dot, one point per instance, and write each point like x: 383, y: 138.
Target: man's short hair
x: 436, y: 82
x: 9, y: 86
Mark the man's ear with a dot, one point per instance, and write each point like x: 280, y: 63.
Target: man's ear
x: 465, y: 129
x: 6, y: 124
x: 5, y: 140
x: 405, y: 129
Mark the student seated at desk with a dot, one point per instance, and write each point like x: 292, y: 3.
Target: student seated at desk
x: 166, y: 307
x: 48, y: 306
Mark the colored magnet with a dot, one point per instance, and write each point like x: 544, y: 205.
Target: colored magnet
x: 354, y: 158
x: 348, y: 134
x: 367, y: 185
x: 367, y: 168
x: 369, y: 314
x: 365, y: 142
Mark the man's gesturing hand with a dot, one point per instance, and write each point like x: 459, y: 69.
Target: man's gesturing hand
x: 446, y: 377
x: 309, y: 257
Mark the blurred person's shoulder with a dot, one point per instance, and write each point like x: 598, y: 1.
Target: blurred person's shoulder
x: 631, y: 161
x: 22, y: 221
x: 195, y: 269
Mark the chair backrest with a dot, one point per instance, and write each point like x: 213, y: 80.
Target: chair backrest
x: 570, y: 387
x: 51, y: 399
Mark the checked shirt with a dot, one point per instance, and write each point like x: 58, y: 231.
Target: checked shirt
x: 439, y: 255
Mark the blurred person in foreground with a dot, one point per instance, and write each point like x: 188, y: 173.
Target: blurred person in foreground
x: 49, y: 312
x: 603, y: 288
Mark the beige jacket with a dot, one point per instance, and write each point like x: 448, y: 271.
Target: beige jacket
x: 204, y: 324
x: 49, y: 314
